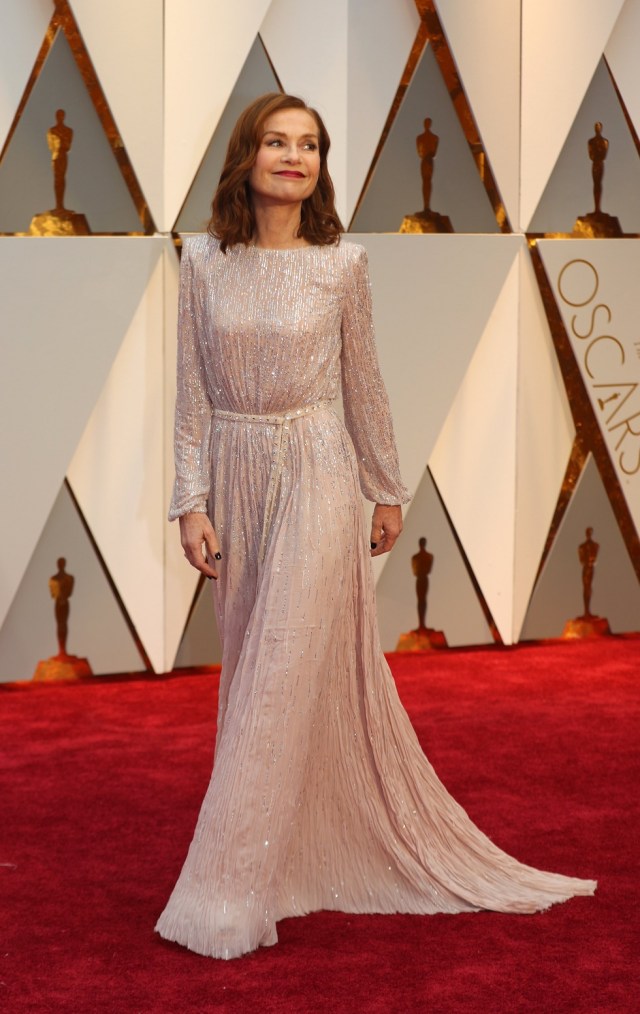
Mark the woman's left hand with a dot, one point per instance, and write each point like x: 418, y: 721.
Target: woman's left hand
x: 386, y: 526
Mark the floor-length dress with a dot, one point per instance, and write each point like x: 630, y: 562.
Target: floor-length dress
x: 320, y: 797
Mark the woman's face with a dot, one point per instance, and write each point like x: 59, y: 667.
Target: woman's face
x: 287, y: 165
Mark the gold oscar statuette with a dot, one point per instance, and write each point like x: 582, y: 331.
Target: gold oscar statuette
x: 587, y: 625
x: 423, y: 638
x: 59, y: 221
x: 62, y: 666
x: 426, y: 220
x: 597, y: 224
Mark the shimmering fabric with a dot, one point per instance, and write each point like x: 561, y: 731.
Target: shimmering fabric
x: 321, y: 796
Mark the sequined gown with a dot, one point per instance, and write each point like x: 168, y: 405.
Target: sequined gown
x: 320, y: 797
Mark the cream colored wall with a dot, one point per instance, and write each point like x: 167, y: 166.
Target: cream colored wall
x: 468, y: 339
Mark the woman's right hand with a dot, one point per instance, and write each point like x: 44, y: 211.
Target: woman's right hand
x: 200, y: 543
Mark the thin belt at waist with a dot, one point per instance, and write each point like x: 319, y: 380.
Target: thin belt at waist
x: 274, y: 418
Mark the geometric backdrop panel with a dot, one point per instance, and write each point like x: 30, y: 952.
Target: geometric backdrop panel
x: 453, y: 605
x: 569, y: 192
x: 546, y: 433
x: 58, y: 348
x: 622, y: 57
x: 97, y: 629
x: 315, y: 68
x: 206, y: 44
x: 256, y: 78
x: 380, y: 37
x: 23, y: 29
x: 485, y: 38
x: 432, y: 299
x: 558, y: 595
x: 474, y: 461
x: 395, y: 187
x: 129, y: 65
x: 117, y: 471
x: 94, y: 182
x: 561, y: 46
x: 200, y: 644
x: 595, y: 285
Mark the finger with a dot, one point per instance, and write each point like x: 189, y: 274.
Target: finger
x: 200, y: 543
x: 382, y: 546
x: 212, y: 545
x: 200, y: 550
x: 212, y: 552
x: 387, y: 541
x: 376, y: 537
x: 195, y: 556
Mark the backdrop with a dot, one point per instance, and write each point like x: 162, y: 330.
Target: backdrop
x: 510, y: 348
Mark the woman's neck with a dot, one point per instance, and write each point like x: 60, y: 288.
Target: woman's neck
x: 277, y: 226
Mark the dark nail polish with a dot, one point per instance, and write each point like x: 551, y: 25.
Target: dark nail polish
x: 218, y: 556
x: 374, y: 545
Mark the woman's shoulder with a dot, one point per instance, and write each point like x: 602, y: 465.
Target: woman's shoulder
x: 352, y: 255
x: 200, y: 244
x: 351, y: 248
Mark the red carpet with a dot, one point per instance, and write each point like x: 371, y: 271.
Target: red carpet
x: 102, y: 783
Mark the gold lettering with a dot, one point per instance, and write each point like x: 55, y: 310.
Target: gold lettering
x: 629, y: 471
x: 561, y: 279
x: 600, y: 306
x: 631, y: 390
x: 602, y: 338
x: 628, y: 428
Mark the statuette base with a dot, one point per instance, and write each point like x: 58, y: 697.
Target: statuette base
x: 585, y: 627
x: 422, y: 639
x: 426, y: 221
x: 597, y: 225
x: 59, y: 222
x: 61, y: 667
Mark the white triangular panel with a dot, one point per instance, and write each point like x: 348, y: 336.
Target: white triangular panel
x: 315, y: 69
x: 200, y: 644
x: 57, y: 353
x: 205, y: 49
x: 561, y: 47
x: 452, y: 603
x: 545, y: 437
x: 569, y: 193
x: 97, y: 630
x: 180, y: 578
x: 622, y: 57
x: 558, y: 595
x: 94, y: 182
x: 256, y: 78
x: 117, y: 471
x: 23, y: 30
x: 395, y: 187
x: 474, y: 461
x: 432, y: 298
x: 380, y: 36
x: 125, y: 43
x: 484, y: 39
x: 596, y: 289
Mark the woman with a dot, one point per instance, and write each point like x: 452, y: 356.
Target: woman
x: 320, y: 795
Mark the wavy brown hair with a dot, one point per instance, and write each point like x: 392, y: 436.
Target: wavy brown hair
x: 232, y: 216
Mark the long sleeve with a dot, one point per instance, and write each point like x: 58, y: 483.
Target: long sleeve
x: 193, y: 406
x: 366, y: 404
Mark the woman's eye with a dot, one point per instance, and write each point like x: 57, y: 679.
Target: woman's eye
x: 310, y: 146
x: 272, y: 143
